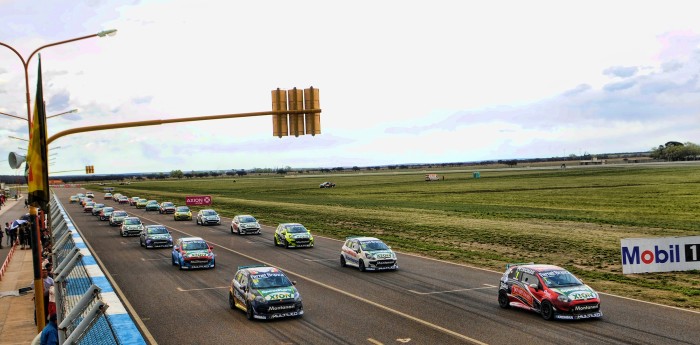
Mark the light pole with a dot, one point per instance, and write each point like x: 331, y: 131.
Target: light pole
x: 33, y: 210
x: 25, y: 64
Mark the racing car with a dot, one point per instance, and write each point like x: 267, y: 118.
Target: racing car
x: 264, y: 292
x: 193, y: 252
x: 549, y: 290
x: 367, y: 254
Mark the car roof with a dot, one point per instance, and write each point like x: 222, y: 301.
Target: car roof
x: 244, y: 215
x: 190, y: 239
x: 365, y: 238
x: 254, y: 269
x: 541, y: 267
x: 290, y: 224
x: 156, y: 226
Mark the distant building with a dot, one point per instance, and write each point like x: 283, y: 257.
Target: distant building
x: 593, y: 161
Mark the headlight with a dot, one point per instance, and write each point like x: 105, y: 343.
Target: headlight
x: 259, y: 299
x: 369, y: 255
x: 297, y: 296
x: 563, y: 298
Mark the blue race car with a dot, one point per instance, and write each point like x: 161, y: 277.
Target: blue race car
x: 193, y: 252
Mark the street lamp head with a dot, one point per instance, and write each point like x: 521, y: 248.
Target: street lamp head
x: 107, y: 33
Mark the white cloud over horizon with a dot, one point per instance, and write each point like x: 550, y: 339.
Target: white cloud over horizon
x: 400, y: 81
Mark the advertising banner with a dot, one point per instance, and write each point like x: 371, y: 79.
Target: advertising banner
x: 663, y: 254
x: 199, y: 200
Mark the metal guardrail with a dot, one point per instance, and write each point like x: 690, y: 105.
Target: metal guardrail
x: 82, y: 291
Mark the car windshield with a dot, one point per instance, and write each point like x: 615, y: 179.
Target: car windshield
x: 195, y: 245
x: 119, y: 214
x: 90, y: 203
x: 168, y: 204
x: 152, y: 202
x: 99, y: 205
x: 157, y: 230
x: 209, y: 213
x: 296, y: 229
x: 269, y: 280
x: 559, y: 278
x: 248, y: 220
x: 108, y: 209
x: 132, y: 221
x: 373, y: 245
x: 183, y: 209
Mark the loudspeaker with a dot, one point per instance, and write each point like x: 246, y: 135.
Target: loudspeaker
x: 16, y: 160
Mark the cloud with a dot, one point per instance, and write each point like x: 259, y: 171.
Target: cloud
x: 59, y: 101
x: 621, y: 72
x: 619, y: 86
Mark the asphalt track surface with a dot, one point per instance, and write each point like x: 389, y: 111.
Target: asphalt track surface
x: 425, y: 302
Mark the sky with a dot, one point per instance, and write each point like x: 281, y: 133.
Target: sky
x: 400, y: 81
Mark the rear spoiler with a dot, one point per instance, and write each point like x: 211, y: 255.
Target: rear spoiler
x: 518, y: 264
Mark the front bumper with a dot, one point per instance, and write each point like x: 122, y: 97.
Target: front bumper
x: 211, y: 221
x: 250, y: 230
x: 159, y: 243
x: 198, y: 263
x: 182, y: 217
x: 277, y: 310
x: 381, y: 265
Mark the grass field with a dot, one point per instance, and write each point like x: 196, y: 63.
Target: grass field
x: 574, y: 218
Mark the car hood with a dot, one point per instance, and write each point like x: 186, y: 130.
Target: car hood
x: 276, y: 294
x: 381, y: 254
x: 133, y: 226
x: 159, y: 237
x: 577, y: 293
x: 196, y: 253
x: 299, y: 235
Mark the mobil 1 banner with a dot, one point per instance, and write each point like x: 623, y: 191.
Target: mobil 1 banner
x: 664, y: 254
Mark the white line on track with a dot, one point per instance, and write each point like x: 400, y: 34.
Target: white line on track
x: 374, y: 341
x: 143, y: 259
x: 448, y: 291
x: 320, y: 259
x: 211, y: 288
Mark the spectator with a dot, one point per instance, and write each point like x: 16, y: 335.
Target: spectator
x: 9, y: 234
x: 27, y: 236
x: 20, y: 231
x: 49, y: 336
x: 48, y: 283
x: 52, y: 300
x: 13, y: 234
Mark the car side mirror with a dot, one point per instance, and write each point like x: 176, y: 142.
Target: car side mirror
x: 176, y: 248
x: 534, y: 286
x: 294, y: 282
x: 211, y: 247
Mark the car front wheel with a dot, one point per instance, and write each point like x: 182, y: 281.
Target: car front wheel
x: 342, y: 261
x: 231, y: 302
x: 249, y: 311
x: 547, y: 310
x: 361, y: 266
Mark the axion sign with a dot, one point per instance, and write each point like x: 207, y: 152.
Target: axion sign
x: 198, y: 200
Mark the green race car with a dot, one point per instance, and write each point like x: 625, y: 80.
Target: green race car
x: 182, y: 213
x: 152, y: 205
x: 293, y: 235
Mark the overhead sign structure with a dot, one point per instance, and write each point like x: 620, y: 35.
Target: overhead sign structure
x: 663, y: 254
x: 199, y: 200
